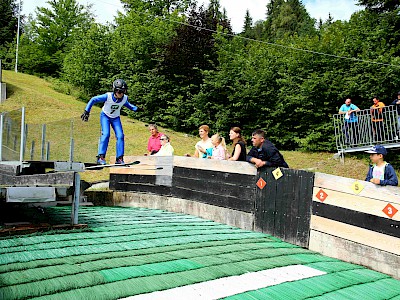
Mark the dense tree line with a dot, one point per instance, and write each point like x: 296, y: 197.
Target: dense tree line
x: 287, y: 74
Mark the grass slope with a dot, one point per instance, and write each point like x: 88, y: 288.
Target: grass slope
x: 45, y: 105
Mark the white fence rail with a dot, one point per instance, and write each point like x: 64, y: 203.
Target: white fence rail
x: 369, y: 127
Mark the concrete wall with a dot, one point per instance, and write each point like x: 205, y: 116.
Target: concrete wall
x: 218, y: 214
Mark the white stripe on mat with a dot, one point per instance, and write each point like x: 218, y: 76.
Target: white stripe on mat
x: 229, y: 286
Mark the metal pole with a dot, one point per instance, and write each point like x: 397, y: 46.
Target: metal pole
x: 25, y: 139
x: 21, y: 152
x: 19, y: 21
x: 1, y: 137
x: 71, y: 144
x: 48, y: 151
x: 77, y: 195
x: 43, y: 141
x: 32, y: 149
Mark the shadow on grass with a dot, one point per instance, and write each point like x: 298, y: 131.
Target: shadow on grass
x: 11, y: 89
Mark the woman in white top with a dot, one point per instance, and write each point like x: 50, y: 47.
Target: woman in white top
x: 203, y: 147
x: 166, y: 148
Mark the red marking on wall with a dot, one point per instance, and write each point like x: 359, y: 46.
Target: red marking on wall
x: 261, y: 183
x: 321, y: 195
x: 390, y: 210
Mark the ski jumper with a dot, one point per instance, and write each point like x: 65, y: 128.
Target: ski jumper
x: 110, y: 116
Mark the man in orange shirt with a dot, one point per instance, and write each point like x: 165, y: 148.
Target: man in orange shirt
x: 377, y: 119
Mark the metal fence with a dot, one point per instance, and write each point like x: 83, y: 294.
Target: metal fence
x: 367, y: 128
x: 63, y: 140
x: 10, y: 135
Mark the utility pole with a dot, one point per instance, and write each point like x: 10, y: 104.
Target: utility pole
x: 19, y: 21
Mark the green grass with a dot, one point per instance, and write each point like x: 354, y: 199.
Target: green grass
x: 45, y: 105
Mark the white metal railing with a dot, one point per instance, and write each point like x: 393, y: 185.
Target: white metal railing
x: 369, y: 127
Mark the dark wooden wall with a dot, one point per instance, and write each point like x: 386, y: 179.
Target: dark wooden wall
x: 230, y: 190
x: 218, y: 183
x: 283, y: 206
x: 152, y: 175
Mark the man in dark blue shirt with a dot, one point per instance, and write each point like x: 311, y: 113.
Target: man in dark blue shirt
x: 264, y: 153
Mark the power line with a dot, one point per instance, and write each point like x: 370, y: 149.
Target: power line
x: 284, y: 46
x: 264, y: 42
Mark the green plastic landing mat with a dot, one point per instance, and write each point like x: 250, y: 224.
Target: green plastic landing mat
x: 135, y: 251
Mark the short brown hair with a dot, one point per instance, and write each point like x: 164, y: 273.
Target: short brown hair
x: 205, y: 128
x: 259, y: 132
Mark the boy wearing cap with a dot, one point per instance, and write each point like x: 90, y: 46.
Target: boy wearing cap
x: 380, y: 172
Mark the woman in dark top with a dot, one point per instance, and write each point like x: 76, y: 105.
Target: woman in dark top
x: 239, y: 144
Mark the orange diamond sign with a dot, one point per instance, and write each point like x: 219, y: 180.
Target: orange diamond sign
x: 321, y: 195
x: 390, y: 210
x: 261, y: 183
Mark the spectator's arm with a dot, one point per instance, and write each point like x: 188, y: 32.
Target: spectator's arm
x: 252, y: 154
x: 369, y: 175
x: 390, y: 177
x: 238, y: 150
x: 258, y: 162
x: 196, y: 153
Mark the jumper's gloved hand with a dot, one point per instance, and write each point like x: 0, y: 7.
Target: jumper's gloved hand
x: 139, y: 109
x: 85, y: 116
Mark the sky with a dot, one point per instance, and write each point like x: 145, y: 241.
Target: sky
x: 105, y: 10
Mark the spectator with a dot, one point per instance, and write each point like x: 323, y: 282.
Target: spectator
x: 166, y: 148
x: 381, y: 172
x: 204, y: 146
x: 110, y: 117
x: 219, y: 149
x: 264, y: 153
x: 377, y: 118
x: 154, y: 143
x: 350, y: 125
x: 396, y: 103
x: 239, y: 144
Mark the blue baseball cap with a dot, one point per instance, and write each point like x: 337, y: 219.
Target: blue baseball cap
x: 378, y: 149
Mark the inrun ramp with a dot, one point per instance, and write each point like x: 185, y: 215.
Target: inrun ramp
x: 139, y: 253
